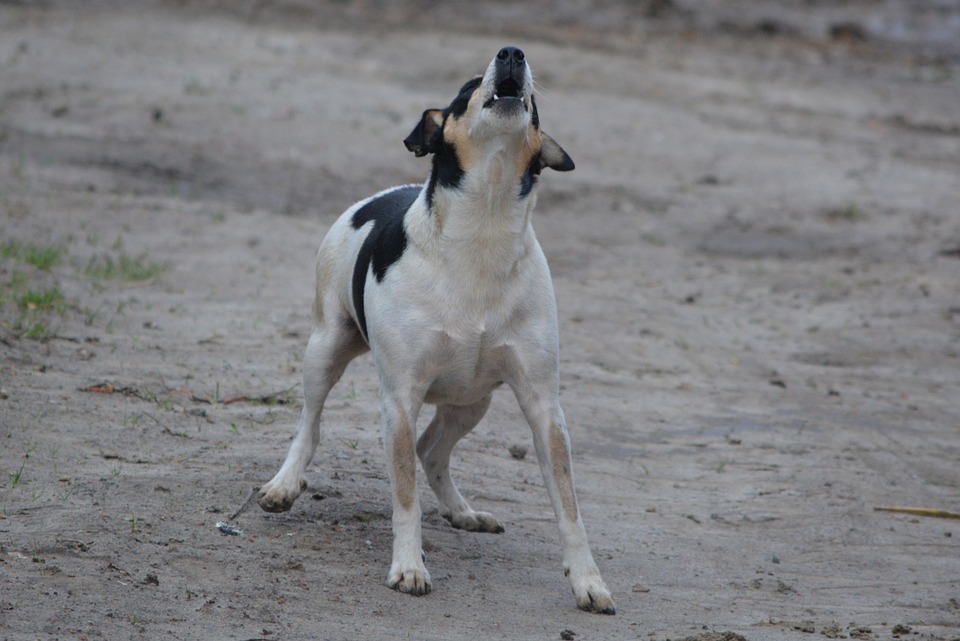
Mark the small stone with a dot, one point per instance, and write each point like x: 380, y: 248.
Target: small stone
x: 805, y: 626
x: 518, y: 452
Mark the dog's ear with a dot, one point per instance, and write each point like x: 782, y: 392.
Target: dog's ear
x: 423, y: 139
x: 553, y: 156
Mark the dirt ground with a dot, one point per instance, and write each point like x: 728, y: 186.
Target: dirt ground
x: 757, y: 263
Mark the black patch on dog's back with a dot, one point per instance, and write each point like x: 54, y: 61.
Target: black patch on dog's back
x: 385, y: 243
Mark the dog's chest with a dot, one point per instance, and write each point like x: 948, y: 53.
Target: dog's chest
x: 465, y: 367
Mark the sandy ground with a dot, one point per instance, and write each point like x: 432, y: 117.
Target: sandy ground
x: 757, y: 262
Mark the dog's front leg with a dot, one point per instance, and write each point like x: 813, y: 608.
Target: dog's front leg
x: 407, y: 571
x: 552, y: 444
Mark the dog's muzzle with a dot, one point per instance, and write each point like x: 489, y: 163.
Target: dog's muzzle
x: 510, y: 77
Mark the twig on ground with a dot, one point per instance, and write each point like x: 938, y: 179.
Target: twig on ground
x: 920, y: 511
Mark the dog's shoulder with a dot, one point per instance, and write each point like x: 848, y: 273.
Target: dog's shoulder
x: 386, y: 208
x: 384, y: 243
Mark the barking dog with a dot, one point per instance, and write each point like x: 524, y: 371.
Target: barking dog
x: 448, y: 288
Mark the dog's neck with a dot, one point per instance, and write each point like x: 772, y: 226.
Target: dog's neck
x: 482, y: 214
x: 483, y: 221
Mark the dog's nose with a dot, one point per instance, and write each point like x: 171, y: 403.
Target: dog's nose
x: 511, y: 56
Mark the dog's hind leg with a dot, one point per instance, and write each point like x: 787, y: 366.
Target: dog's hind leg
x: 330, y: 348
x: 450, y: 424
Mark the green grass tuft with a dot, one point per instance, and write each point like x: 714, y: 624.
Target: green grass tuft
x: 846, y: 214
x: 43, y: 257
x: 50, y: 299
x: 124, y: 267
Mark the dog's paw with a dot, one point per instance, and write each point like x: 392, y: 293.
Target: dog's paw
x: 475, y: 522
x: 277, y: 497
x: 413, y: 580
x: 593, y: 596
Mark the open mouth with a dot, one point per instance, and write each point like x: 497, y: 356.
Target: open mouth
x: 506, y: 90
x: 509, y: 88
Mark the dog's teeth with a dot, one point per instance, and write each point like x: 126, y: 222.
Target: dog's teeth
x: 496, y: 97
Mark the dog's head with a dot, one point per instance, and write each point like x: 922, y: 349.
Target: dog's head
x: 492, y: 114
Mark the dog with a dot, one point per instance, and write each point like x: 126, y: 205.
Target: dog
x: 446, y: 285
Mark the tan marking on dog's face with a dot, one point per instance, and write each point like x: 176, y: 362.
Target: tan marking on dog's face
x: 456, y: 133
x: 470, y: 148
x: 482, y: 127
x: 490, y: 134
x: 527, y: 151
x: 560, y: 461
x: 404, y: 462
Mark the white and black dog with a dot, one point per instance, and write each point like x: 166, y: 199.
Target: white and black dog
x: 446, y: 284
